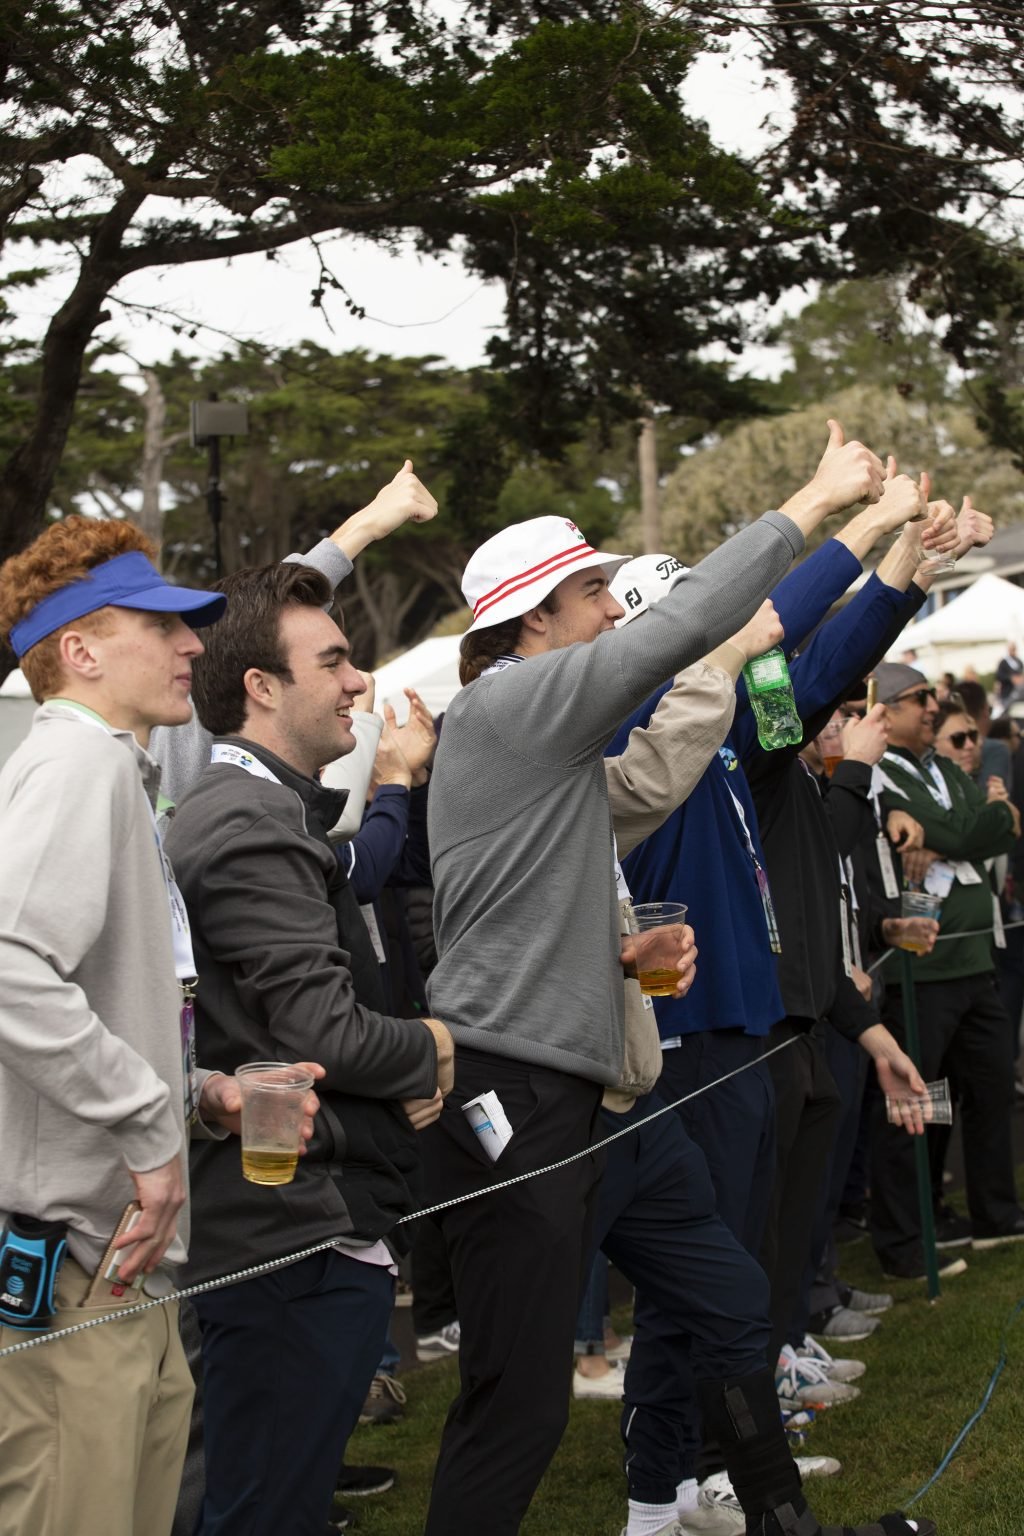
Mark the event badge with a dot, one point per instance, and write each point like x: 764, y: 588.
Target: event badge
x: 889, y: 881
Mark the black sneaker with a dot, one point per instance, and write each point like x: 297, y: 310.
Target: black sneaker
x: 951, y: 1230
x: 384, y: 1401
x: 358, y: 1482
x: 341, y: 1520
x: 1014, y: 1233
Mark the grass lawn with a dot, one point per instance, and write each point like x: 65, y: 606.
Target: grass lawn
x: 928, y: 1367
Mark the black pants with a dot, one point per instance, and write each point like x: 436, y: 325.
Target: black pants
x: 519, y: 1262
x: 807, y: 1109
x: 962, y: 1023
x: 433, y: 1298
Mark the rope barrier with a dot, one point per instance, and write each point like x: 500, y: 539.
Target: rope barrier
x: 251, y: 1273
x: 443, y: 1205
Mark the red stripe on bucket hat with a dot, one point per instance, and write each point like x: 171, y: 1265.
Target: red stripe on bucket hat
x: 522, y: 579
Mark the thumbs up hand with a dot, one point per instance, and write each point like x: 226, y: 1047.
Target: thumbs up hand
x: 848, y: 472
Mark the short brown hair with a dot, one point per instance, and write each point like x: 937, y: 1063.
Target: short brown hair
x: 63, y: 554
x: 249, y: 635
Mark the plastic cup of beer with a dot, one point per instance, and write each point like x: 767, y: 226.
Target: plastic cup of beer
x: 830, y: 745
x: 657, y: 946
x: 273, y: 1095
x: 935, y: 1104
x: 918, y: 904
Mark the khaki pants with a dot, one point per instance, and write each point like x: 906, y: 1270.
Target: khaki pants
x: 93, y: 1428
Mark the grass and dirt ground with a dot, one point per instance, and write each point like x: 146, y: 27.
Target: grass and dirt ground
x: 928, y: 1367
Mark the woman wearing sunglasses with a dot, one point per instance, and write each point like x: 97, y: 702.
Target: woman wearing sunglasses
x: 957, y: 737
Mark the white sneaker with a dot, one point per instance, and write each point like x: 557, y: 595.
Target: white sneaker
x: 818, y: 1466
x: 835, y: 1370
x: 439, y: 1346
x: 672, y: 1529
x: 609, y: 1385
x: 806, y: 1382
x: 718, y: 1512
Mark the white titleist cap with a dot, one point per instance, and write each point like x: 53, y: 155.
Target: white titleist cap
x: 643, y: 582
x: 517, y: 568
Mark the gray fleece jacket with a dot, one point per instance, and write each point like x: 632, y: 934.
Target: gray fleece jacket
x: 90, y: 1040
x: 520, y: 830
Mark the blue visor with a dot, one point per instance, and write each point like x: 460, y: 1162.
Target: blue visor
x: 127, y: 581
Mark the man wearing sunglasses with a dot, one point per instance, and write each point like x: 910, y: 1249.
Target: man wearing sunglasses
x: 964, y: 1028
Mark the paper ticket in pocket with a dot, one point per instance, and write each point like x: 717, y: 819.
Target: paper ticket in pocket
x: 490, y: 1124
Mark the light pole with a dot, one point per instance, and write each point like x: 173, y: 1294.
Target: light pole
x: 212, y: 419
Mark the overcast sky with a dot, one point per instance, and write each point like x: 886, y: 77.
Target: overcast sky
x: 413, y: 305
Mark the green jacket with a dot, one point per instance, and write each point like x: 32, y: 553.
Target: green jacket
x: 972, y: 830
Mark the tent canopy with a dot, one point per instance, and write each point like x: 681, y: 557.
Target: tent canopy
x: 990, y: 611
x: 432, y: 668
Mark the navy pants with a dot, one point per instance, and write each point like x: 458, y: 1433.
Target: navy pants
x: 733, y: 1123
x: 702, y: 1301
x: 287, y: 1362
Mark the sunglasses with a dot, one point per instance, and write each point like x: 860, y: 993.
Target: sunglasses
x: 959, y: 739
x: 920, y: 697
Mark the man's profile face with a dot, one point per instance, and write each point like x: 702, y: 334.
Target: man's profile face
x: 912, y: 718
x: 585, y: 608
x: 145, y: 669
x: 315, y: 714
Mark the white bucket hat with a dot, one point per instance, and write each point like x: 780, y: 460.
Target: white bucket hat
x: 517, y: 568
x: 645, y: 581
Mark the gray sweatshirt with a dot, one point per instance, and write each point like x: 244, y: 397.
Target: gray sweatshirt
x: 90, y: 1039
x: 520, y: 829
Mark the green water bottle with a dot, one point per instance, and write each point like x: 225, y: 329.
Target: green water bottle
x: 771, y: 699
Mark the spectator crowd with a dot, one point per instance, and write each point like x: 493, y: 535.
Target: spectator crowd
x: 596, y: 899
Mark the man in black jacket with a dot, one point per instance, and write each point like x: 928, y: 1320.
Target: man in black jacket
x: 288, y: 972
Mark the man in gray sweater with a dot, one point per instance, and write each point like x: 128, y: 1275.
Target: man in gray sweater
x: 98, y: 1082
x: 529, y: 976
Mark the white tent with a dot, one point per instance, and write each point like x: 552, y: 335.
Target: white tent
x: 432, y: 668
x: 14, y: 686
x: 971, y: 630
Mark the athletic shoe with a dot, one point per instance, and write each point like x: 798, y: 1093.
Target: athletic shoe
x: 871, y: 1303
x: 914, y: 1269
x: 619, y: 1351
x: 806, y: 1382
x: 607, y: 1386
x: 672, y: 1529
x: 835, y: 1370
x: 341, y: 1520
x: 1014, y: 1233
x: 818, y: 1466
x: 951, y: 1230
x: 384, y: 1401
x: 718, y: 1512
x: 439, y: 1346
x: 843, y: 1323
x: 359, y: 1482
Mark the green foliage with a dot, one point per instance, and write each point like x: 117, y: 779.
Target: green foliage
x: 546, y: 140
x: 761, y: 463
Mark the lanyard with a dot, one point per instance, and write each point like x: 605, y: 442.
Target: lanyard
x: 760, y: 875
x: 935, y: 784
